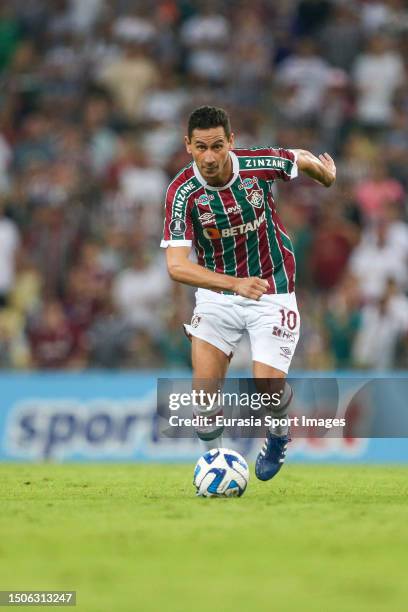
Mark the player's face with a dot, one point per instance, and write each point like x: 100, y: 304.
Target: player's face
x: 210, y: 150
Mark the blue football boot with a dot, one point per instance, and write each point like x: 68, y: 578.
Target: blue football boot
x: 272, y: 455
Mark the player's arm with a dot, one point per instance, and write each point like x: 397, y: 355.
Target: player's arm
x: 183, y: 270
x: 322, y: 169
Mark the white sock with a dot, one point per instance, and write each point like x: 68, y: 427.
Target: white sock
x: 279, y: 430
x: 210, y: 435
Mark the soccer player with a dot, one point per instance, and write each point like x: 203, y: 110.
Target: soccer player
x: 222, y: 205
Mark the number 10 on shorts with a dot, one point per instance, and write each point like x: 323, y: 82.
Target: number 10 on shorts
x: 288, y: 318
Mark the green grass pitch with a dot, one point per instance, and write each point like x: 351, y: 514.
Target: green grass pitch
x: 135, y: 538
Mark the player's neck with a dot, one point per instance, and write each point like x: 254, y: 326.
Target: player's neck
x: 225, y: 176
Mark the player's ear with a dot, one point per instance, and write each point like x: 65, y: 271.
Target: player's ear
x: 187, y: 142
x: 231, y: 141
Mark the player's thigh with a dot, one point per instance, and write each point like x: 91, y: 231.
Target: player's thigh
x: 209, y: 362
x: 267, y: 378
x: 217, y: 321
x: 273, y: 327
x: 262, y: 370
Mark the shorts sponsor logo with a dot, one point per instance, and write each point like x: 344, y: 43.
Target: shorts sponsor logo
x: 177, y: 227
x: 204, y: 199
x: 287, y: 335
x: 279, y: 332
x: 195, y: 321
x: 212, y: 233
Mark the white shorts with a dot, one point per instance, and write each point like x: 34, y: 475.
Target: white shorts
x: 272, y: 324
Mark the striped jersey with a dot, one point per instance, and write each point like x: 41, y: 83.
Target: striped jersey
x: 235, y: 229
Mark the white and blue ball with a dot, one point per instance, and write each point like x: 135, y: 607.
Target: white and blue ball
x: 221, y: 472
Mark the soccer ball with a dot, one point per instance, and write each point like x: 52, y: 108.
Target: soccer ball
x: 221, y: 472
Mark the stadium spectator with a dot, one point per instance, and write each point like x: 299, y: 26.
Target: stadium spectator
x: 378, y: 191
x: 375, y: 95
x: 101, y: 139
x: 173, y: 346
x: 14, y: 349
x: 206, y: 35
x: 384, y: 324
x: 250, y: 57
x: 341, y: 36
x: 311, y: 15
x: 9, y: 243
x: 81, y: 305
x: 395, y: 144
x: 10, y: 34
x: 84, y: 15
x: 334, y: 238
x: 343, y: 320
x: 138, y: 292
x: 383, y: 15
x: 132, y: 74
x: 304, y: 78
x: 26, y: 294
x: 52, y: 339
x: 94, y: 96
x: 375, y: 261
x: 108, y: 337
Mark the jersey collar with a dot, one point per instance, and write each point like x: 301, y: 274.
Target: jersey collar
x: 235, y: 172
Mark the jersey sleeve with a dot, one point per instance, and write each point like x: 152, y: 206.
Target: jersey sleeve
x: 178, y: 229
x: 284, y: 164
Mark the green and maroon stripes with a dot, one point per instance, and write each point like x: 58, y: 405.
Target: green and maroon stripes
x: 240, y: 243
x: 267, y: 252
x: 229, y: 243
x: 234, y: 230
x: 285, y: 278
x: 204, y: 247
x: 250, y: 239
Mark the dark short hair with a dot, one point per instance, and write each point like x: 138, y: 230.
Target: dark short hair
x: 206, y: 117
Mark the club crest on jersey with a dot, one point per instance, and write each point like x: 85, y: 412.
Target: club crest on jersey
x: 255, y: 198
x: 204, y: 199
x: 254, y: 194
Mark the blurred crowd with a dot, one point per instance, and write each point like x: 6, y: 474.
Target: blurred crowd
x: 94, y: 99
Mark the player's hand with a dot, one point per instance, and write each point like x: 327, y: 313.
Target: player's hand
x: 330, y: 168
x: 252, y: 287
